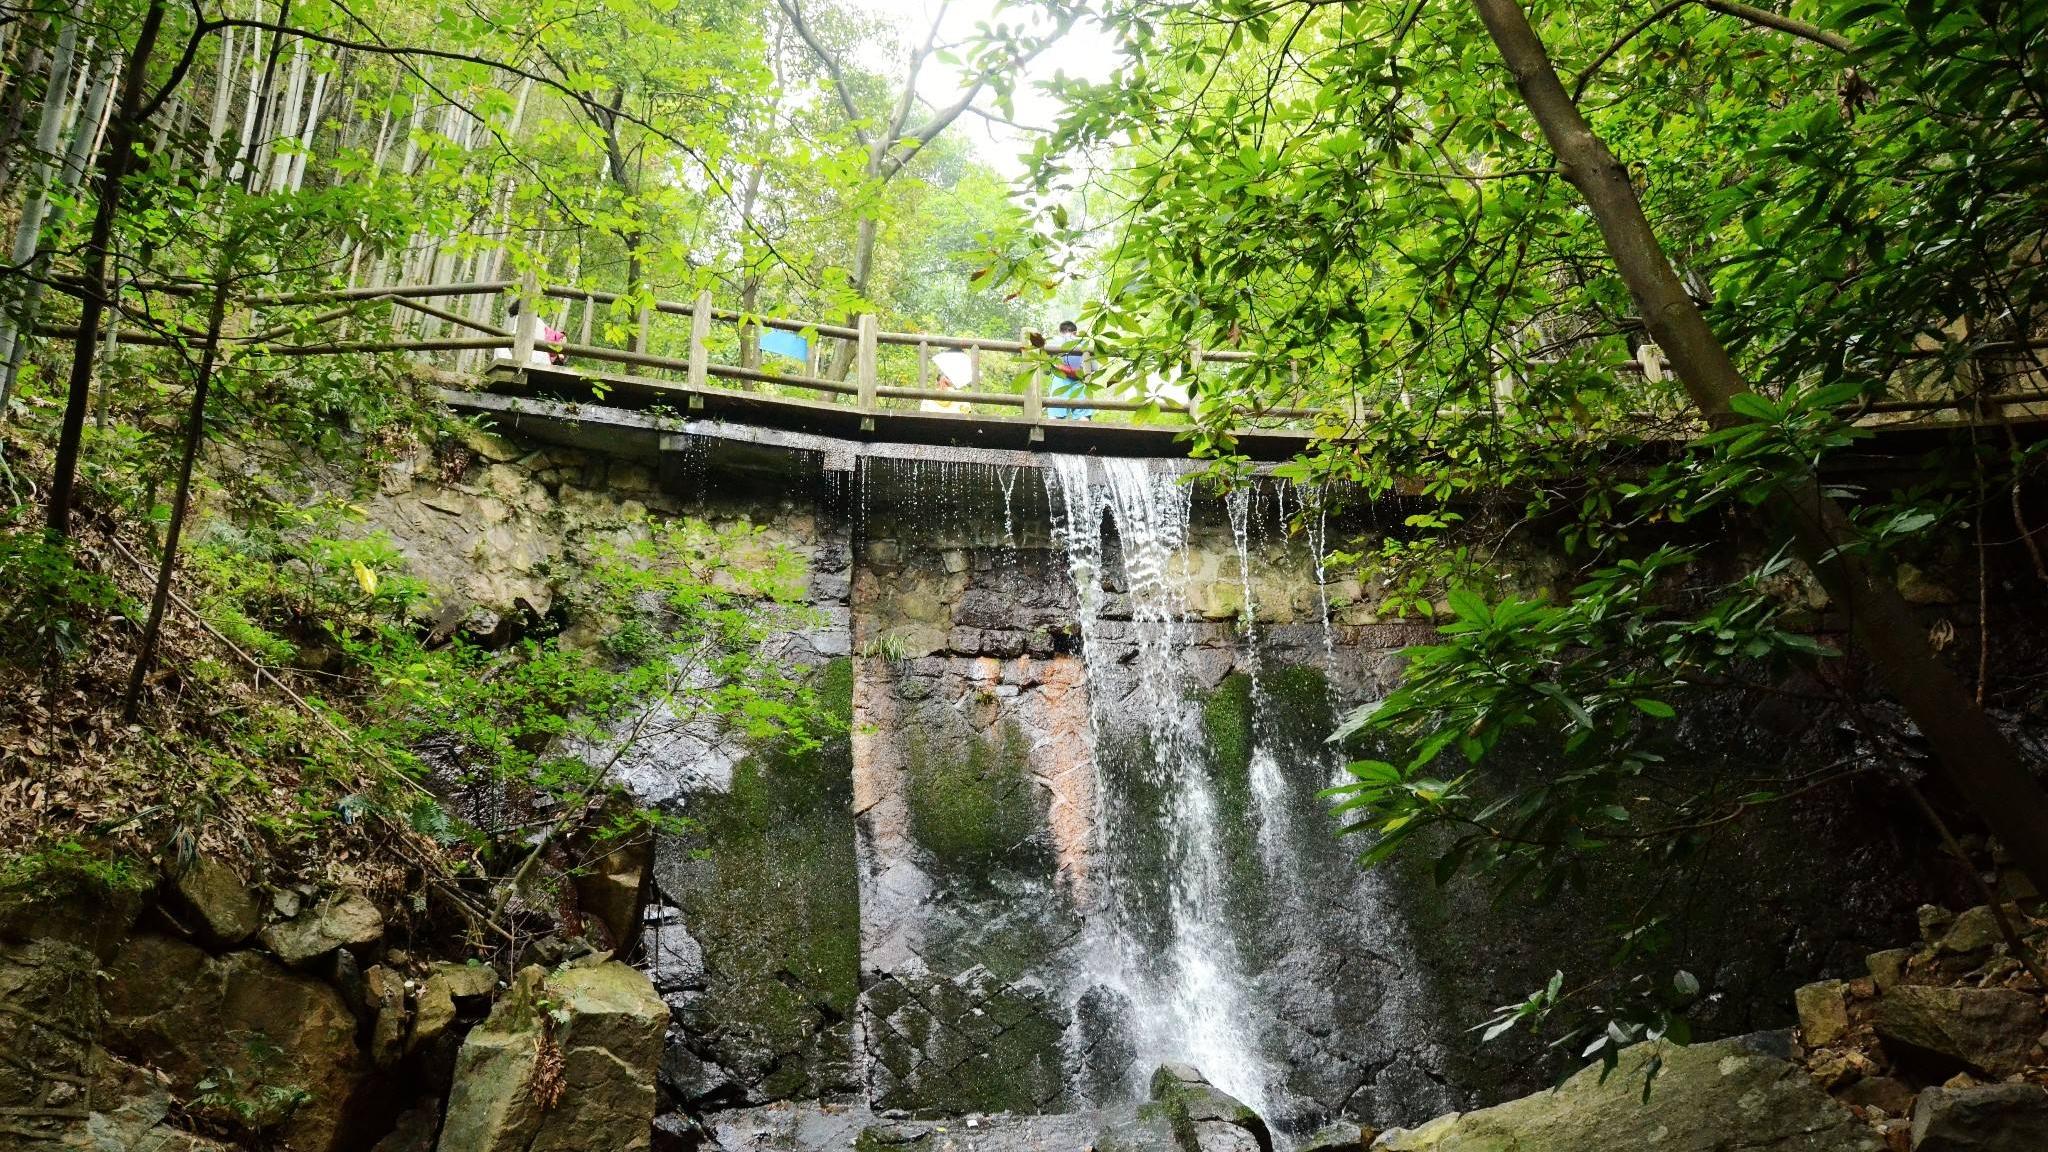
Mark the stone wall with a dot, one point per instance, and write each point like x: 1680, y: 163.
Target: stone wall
x: 910, y: 917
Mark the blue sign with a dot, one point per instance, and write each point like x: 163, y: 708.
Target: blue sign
x: 776, y: 342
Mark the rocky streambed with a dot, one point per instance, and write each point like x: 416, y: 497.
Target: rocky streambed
x: 210, y: 1014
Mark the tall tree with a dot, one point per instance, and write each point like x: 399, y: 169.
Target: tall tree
x: 892, y: 139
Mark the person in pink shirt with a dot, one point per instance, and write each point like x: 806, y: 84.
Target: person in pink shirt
x: 544, y: 334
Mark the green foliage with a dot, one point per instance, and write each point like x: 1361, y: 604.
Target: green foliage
x: 66, y: 866
x: 53, y: 603
x: 687, y: 608
x: 1356, y: 196
x: 253, y: 1097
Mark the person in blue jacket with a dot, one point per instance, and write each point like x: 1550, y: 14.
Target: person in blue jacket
x: 1071, y: 366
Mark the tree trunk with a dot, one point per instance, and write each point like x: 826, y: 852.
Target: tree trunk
x: 195, y: 430
x: 1976, y: 759
x: 28, y: 230
x: 78, y: 157
x: 863, y: 269
x: 114, y: 165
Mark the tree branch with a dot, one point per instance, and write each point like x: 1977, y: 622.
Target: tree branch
x: 794, y: 10
x: 1785, y: 24
x: 1743, y: 12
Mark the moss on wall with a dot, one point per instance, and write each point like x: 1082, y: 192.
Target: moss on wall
x: 774, y: 901
x: 972, y: 804
x: 1288, y: 717
x: 1227, y: 724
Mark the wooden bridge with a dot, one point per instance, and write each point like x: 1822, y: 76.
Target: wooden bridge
x: 660, y: 362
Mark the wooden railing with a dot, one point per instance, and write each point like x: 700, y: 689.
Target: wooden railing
x: 865, y: 383
x: 864, y: 386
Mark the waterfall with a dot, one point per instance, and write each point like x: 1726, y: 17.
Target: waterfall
x: 1187, y: 992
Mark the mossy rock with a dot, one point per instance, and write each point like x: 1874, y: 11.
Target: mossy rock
x: 977, y: 809
x: 1190, y: 1102
x: 769, y: 885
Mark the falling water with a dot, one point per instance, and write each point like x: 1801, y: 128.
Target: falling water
x: 1268, y: 786
x: 1187, y: 998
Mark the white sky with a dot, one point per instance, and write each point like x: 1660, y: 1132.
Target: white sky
x: 1087, y: 51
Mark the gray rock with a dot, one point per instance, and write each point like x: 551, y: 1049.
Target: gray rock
x: 672, y: 957
x: 384, y: 997
x: 435, y: 1007
x: 689, y: 1077
x: 1987, y: 1030
x: 1342, y: 1136
x: 219, y: 906
x: 1204, y: 1117
x: 343, y: 920
x: 1934, y: 922
x: 966, y: 1044
x: 1975, y: 930
x: 414, y: 1131
x: 1990, y: 1118
x: 589, y: 1036
x: 131, y: 1112
x: 614, y: 890
x: 1727, y: 1096
x: 1217, y: 1136
x: 1893, y: 1096
x: 1888, y: 968
x: 1823, y: 1013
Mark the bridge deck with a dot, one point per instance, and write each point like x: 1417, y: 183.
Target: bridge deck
x: 848, y: 423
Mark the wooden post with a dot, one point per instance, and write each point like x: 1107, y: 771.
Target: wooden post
x: 524, y: 324
x: 1194, y: 378
x: 924, y: 364
x: 1034, y: 394
x: 640, y: 334
x: 1034, y: 405
x: 700, y: 347
x: 864, y: 366
x: 583, y: 333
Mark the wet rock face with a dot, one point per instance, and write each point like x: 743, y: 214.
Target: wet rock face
x: 968, y: 1043
x: 755, y: 939
x: 956, y: 828
x: 976, y: 826
x: 1205, y: 1118
x: 1725, y: 1096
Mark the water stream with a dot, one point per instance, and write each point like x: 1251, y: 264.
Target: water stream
x: 1187, y: 996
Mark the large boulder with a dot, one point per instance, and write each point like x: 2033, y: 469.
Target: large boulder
x: 565, y: 1062
x: 1727, y: 1096
x: 215, y: 903
x: 1989, y: 1118
x: 1985, y: 1030
x: 266, y: 1048
x: 447, y: 987
x: 1204, y: 1117
x: 131, y: 1111
x: 1823, y: 1013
